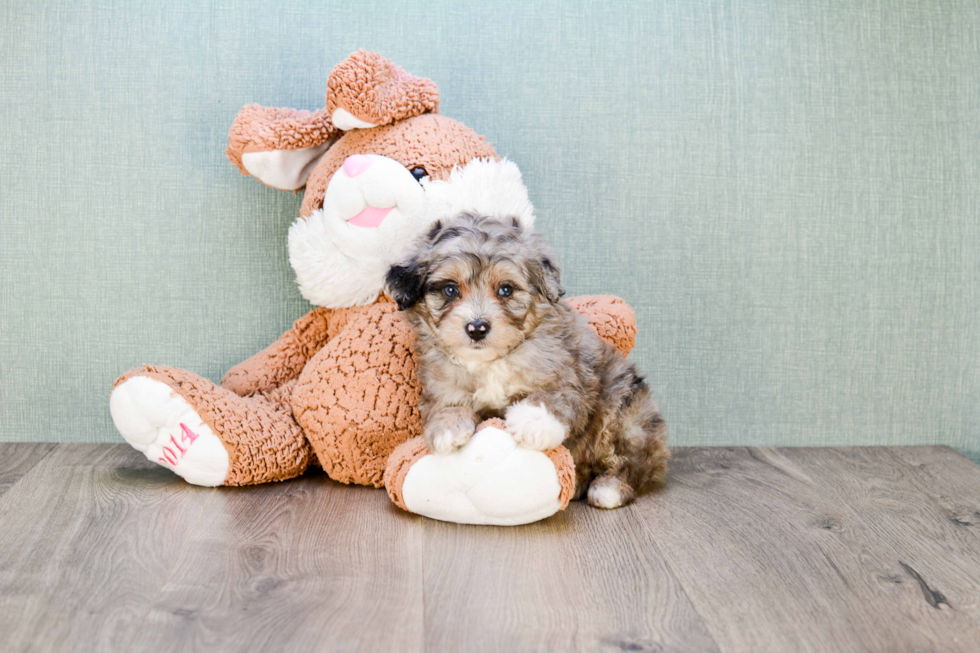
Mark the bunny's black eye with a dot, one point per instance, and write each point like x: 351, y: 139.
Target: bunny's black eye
x: 419, y: 173
x: 505, y: 290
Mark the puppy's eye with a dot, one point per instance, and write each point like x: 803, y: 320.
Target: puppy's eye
x: 450, y: 291
x: 419, y: 173
x: 505, y: 290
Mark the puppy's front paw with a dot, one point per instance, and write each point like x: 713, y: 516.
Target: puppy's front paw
x: 447, y: 440
x: 449, y: 429
x: 534, y: 427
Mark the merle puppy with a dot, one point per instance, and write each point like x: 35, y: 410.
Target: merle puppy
x: 495, y: 341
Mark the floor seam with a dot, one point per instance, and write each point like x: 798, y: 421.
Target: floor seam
x: 422, y: 561
x: 29, y: 469
x: 170, y: 571
x: 649, y: 531
x: 914, y: 474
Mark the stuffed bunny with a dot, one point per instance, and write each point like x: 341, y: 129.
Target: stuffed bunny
x: 339, y: 388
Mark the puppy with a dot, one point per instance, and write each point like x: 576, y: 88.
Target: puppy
x: 494, y: 340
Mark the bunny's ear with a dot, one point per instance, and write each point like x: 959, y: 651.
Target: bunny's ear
x: 366, y: 90
x: 279, y: 147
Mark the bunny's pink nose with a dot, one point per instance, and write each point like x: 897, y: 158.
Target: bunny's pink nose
x: 355, y: 164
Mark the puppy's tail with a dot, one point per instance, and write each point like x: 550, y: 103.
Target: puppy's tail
x: 645, y: 432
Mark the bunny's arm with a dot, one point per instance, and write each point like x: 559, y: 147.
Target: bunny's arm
x: 610, y: 317
x: 279, y: 146
x: 284, y: 359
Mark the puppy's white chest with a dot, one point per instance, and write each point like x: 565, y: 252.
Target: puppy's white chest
x: 495, y: 386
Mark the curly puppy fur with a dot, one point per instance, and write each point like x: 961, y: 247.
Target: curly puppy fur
x: 494, y: 340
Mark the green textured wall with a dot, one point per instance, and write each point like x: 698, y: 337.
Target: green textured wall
x: 787, y: 193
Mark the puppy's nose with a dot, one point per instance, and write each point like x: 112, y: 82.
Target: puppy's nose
x: 478, y: 329
x: 355, y: 164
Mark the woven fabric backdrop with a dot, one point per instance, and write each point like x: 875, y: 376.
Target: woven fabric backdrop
x: 787, y: 193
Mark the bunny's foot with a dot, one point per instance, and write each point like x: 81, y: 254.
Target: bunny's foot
x: 165, y: 427
x: 206, y: 434
x: 490, y: 480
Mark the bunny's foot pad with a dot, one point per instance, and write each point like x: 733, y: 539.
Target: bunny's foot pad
x: 160, y: 423
x: 488, y: 481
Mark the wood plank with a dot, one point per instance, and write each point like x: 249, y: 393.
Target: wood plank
x: 937, y: 552
x: 302, y: 565
x: 88, y: 537
x: 584, y: 579
x: 773, y: 562
x: 18, y: 458
x: 841, y: 549
x: 952, y: 480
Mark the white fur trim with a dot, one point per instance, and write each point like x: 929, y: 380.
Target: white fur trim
x: 284, y: 169
x: 344, y: 119
x: 148, y: 413
x: 483, y: 186
x: 488, y: 481
x: 534, y: 427
x: 339, y: 265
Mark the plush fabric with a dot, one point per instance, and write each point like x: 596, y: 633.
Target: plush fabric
x: 374, y: 90
x: 357, y: 399
x: 489, y: 481
x: 263, y: 129
x: 611, y: 318
x: 400, y: 461
x: 166, y: 428
x: 263, y: 441
x: 339, y: 264
x: 432, y: 141
x: 340, y: 387
x: 284, y: 359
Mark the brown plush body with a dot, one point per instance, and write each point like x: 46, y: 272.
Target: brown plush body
x: 340, y: 387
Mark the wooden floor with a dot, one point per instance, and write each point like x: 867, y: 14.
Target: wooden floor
x: 746, y: 549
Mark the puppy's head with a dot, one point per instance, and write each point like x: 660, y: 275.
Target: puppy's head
x: 478, y: 287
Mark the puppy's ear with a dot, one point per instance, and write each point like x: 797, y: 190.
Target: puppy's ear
x: 433, y: 231
x: 546, y: 277
x: 405, y: 283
